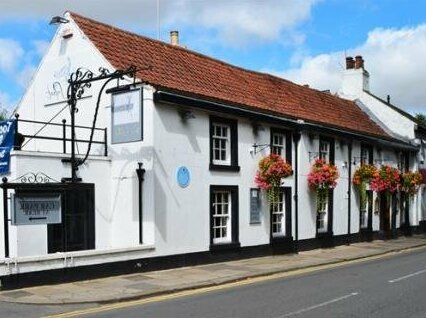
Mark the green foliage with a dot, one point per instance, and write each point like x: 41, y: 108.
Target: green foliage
x: 3, y: 114
x: 421, y: 118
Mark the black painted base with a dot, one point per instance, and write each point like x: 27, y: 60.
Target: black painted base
x: 282, y: 246
x: 422, y: 226
x: 366, y: 235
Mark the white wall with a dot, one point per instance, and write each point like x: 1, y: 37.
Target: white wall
x: 176, y: 220
x: 31, y: 240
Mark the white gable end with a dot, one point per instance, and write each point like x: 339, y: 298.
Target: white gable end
x: 46, y: 97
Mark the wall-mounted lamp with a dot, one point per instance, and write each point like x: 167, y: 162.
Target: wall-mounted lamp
x: 58, y: 20
x: 186, y: 115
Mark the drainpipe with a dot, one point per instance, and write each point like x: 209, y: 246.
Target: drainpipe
x: 296, y: 139
x: 5, y: 219
x: 348, y: 241
x: 140, y: 173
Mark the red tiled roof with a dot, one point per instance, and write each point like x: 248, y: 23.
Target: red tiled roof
x: 183, y: 70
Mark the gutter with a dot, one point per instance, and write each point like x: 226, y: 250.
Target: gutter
x: 299, y: 124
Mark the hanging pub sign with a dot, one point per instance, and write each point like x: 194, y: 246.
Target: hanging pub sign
x: 28, y: 209
x: 126, y: 116
x: 7, y: 141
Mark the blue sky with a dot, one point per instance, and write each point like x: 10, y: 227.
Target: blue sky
x: 301, y: 40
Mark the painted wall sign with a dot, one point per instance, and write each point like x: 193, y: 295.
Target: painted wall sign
x: 56, y: 89
x: 183, y: 177
x: 30, y: 209
x: 126, y: 116
x: 7, y: 141
x: 255, y: 206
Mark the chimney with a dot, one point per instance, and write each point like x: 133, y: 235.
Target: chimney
x: 350, y: 63
x: 174, y: 38
x: 359, y: 62
x: 355, y: 78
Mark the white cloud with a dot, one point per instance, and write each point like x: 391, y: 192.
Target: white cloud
x: 6, y: 103
x: 10, y: 54
x: 40, y: 47
x: 395, y: 59
x: 233, y: 21
x: 24, y: 76
x: 238, y: 22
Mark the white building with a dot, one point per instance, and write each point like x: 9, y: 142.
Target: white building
x: 200, y: 129
x: 397, y: 123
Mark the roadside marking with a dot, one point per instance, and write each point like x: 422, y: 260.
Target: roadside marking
x: 332, y: 301
x: 407, y: 276
x: 248, y: 281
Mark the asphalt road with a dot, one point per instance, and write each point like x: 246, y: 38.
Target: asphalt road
x: 390, y: 287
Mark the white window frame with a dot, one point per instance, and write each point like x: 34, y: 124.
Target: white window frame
x: 402, y: 208
x: 376, y: 205
x: 278, y: 143
x: 364, y: 156
x: 221, y: 138
x: 363, y: 223
x: 225, y: 219
x: 322, y: 213
x: 324, y: 150
x: 278, y: 216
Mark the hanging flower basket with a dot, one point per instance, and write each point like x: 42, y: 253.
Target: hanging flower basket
x: 362, y: 177
x: 322, y: 177
x: 272, y: 169
x: 411, y: 181
x: 386, y: 179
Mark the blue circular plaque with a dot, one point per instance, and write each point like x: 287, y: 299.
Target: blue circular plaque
x: 183, y: 177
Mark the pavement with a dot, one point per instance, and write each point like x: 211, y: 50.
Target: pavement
x: 143, y: 285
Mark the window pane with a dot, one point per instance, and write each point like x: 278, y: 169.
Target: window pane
x: 324, y: 151
x: 221, y: 144
x: 322, y: 212
x: 278, y: 215
x: 277, y: 146
x: 221, y: 216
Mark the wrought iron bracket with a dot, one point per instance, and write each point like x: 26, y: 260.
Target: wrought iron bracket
x: 258, y: 148
x: 32, y: 177
x: 78, y: 82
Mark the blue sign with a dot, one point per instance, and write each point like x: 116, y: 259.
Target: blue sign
x: 183, y: 177
x: 7, y: 141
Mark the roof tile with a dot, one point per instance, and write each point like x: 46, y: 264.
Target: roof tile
x: 184, y: 70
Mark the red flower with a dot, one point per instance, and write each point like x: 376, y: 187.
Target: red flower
x: 386, y: 178
x: 411, y: 182
x: 323, y: 175
x: 272, y: 169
